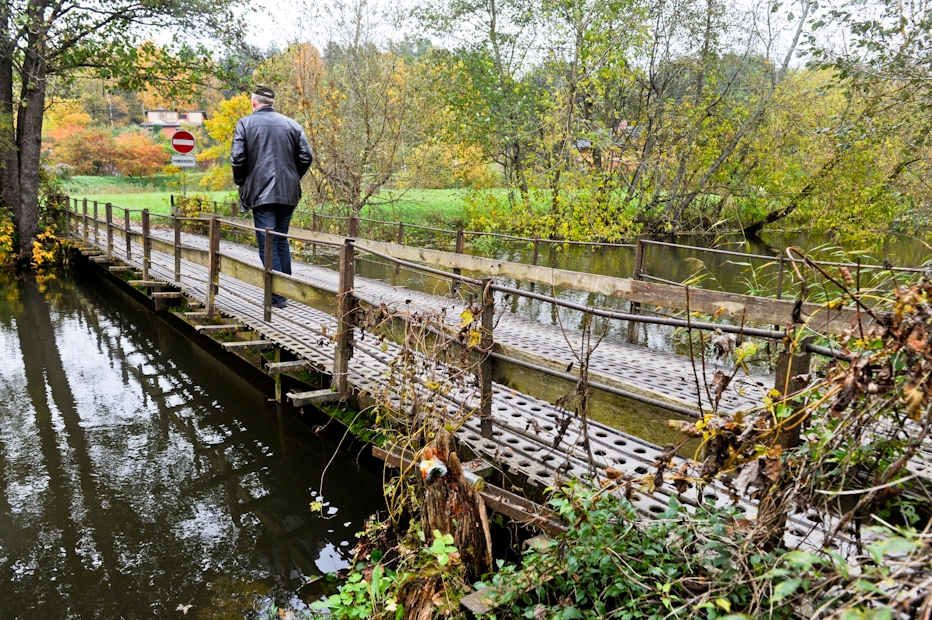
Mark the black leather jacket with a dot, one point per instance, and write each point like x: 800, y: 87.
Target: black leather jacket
x: 270, y: 154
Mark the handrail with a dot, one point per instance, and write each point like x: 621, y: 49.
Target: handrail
x: 780, y: 257
x: 611, y: 314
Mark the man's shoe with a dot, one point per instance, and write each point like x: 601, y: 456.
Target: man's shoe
x: 279, y: 303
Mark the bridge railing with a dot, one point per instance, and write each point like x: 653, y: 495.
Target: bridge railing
x: 350, y: 226
x: 91, y: 225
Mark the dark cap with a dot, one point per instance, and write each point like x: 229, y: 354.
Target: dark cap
x: 264, y: 91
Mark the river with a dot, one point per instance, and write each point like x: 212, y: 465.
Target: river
x: 138, y: 474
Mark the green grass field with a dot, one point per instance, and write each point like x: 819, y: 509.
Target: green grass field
x: 435, y: 207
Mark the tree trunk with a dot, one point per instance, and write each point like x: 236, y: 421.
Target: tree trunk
x: 29, y: 132
x: 452, y: 506
x: 9, y: 157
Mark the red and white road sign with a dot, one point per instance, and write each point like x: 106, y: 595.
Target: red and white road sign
x: 183, y: 141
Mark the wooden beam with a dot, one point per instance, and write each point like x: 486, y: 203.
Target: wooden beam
x: 220, y: 329
x: 314, y: 397
x: 276, y: 368
x: 248, y: 345
x: 167, y: 295
x: 146, y: 283
x: 122, y: 268
x: 199, y: 314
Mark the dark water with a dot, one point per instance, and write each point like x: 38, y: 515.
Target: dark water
x: 138, y: 474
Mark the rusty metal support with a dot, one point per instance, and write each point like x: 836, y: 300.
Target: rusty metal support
x: 108, y: 213
x: 485, y: 366
x: 177, y: 226
x: 213, y: 266
x: 84, y: 236
x: 346, y: 311
x: 636, y: 275
x: 146, y: 245
x: 267, y: 264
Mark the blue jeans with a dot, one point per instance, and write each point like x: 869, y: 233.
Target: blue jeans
x: 277, y: 218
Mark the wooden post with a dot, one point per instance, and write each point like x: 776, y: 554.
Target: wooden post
x: 780, y: 277
x: 400, y: 240
x: 536, y: 251
x: 95, y: 222
x: 343, y: 350
x: 172, y: 199
x: 792, y: 368
x: 636, y: 275
x: 353, y: 226
x: 129, y: 239
x: 108, y: 210
x: 315, y: 225
x: 84, y: 236
x: 267, y: 264
x: 146, y: 245
x: 177, y: 224
x: 485, y: 366
x: 213, y: 266
x: 460, y: 246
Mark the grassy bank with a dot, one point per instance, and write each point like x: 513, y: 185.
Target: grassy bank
x: 437, y: 207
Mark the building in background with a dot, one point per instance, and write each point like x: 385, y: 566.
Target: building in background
x: 170, y: 121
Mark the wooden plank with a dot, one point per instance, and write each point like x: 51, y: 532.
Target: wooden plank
x: 247, y: 345
x: 122, y: 268
x: 220, y: 329
x: 167, y: 295
x: 314, y: 397
x: 146, y: 283
x: 100, y: 259
x: 276, y: 368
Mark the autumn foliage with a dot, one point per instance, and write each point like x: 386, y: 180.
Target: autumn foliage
x: 99, y: 150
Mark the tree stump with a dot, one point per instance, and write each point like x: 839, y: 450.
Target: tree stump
x: 417, y: 597
x: 453, y: 506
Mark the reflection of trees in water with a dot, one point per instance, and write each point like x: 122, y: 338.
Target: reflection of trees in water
x: 122, y: 490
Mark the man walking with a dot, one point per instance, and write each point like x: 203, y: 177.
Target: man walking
x: 270, y: 154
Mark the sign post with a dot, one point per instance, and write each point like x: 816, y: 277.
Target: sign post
x: 183, y: 142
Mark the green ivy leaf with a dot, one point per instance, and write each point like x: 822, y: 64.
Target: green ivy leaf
x: 784, y: 589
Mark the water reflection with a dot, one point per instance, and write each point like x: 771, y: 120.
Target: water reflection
x: 137, y: 473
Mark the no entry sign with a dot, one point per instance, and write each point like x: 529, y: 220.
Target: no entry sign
x: 183, y: 141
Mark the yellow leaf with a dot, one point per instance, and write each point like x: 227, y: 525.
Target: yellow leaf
x: 467, y: 317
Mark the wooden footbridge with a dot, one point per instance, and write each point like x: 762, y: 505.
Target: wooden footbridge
x: 504, y: 400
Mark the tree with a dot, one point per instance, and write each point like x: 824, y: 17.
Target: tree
x: 220, y: 127
x: 138, y: 154
x: 354, y: 105
x: 47, y: 40
x: 885, y: 71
